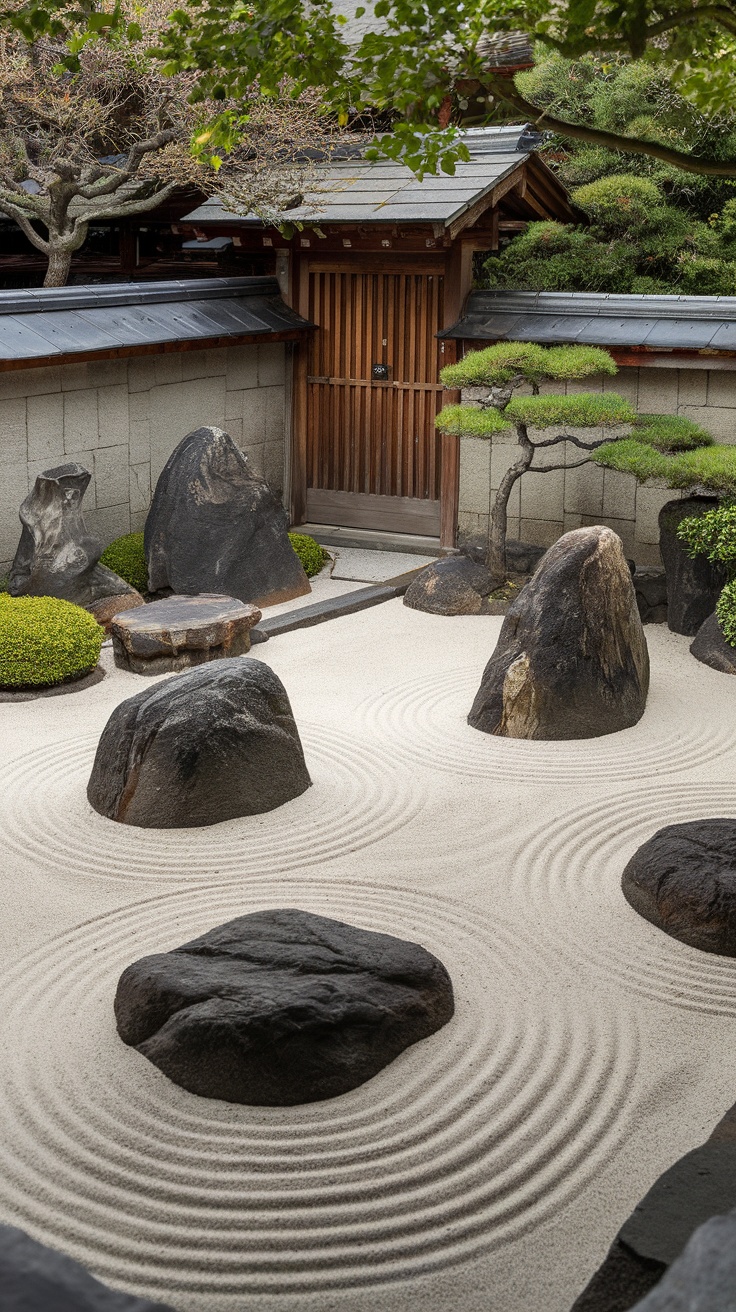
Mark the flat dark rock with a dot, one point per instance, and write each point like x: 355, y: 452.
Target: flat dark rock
x: 452, y: 586
x: 711, y: 647
x: 178, y: 633
x: 683, y: 880
x: 571, y: 660
x: 34, y: 1278
x: 208, y: 745
x: 57, y: 556
x: 693, y: 583
x: 703, y: 1279
x: 215, y: 526
x: 281, y: 1007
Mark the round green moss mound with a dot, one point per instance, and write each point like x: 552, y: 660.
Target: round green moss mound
x: 310, y: 553
x: 128, y: 559
x: 44, y: 641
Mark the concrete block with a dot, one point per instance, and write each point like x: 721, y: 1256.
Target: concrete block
x: 234, y: 406
x: 692, y: 387
x: 256, y: 458
x: 619, y: 495
x: 109, y: 523
x: 625, y: 383
x: 645, y: 553
x: 179, y: 408
x: 113, y: 415
x: 195, y: 364
x: 541, y: 532
x: 141, y: 374
x: 45, y: 427
x: 138, y: 520
x: 716, y: 420
x: 13, y: 490
x: 649, y: 502
x: 235, y: 428
x: 139, y: 406
x: 139, y: 441
x: 273, y: 465
x: 594, y: 384
x: 30, y: 382
x: 475, y: 477
x: 543, y: 497
x: 76, y: 377
x: 584, y: 490
x: 81, y: 432
x: 624, y: 528
x: 241, y: 363
x: 658, y: 391
x: 722, y: 387
x: 112, y: 476
x: 13, y: 432
x: 254, y: 417
x: 167, y: 368
x: 108, y: 373
x: 571, y: 522
x: 271, y: 366
x: 274, y: 416
x: 140, y: 488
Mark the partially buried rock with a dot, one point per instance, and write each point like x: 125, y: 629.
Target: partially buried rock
x: 180, y: 632
x: 208, y: 745
x: 281, y: 1007
x: 453, y: 586
x: 693, y: 582
x: 57, y: 556
x: 34, y: 1278
x: 703, y: 1279
x: 711, y: 646
x: 571, y: 660
x: 215, y: 526
x: 683, y: 880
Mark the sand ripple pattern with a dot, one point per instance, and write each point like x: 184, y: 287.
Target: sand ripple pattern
x: 489, y: 1129
x: 424, y: 720
x: 568, y: 873
x: 356, y: 799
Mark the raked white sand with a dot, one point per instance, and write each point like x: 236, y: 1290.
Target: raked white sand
x: 488, y: 1168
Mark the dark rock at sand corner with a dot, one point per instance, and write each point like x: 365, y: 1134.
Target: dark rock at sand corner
x: 571, y: 660
x: 34, y: 1278
x: 281, y: 1007
x: 208, y: 745
x: 215, y: 526
x: 683, y: 880
x: 693, y: 583
x: 454, y: 585
x: 711, y: 647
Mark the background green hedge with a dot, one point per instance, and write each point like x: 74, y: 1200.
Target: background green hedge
x: 44, y: 641
x: 128, y: 559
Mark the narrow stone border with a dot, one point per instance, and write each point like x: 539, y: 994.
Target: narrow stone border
x: 332, y: 608
x: 56, y: 690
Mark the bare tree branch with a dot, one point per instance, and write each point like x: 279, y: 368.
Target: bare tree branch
x: 12, y: 212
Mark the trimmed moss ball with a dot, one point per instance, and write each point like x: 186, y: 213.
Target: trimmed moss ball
x: 310, y: 553
x: 127, y: 558
x: 726, y: 613
x: 45, y: 641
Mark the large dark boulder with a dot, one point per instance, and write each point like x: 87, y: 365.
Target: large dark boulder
x: 57, y: 556
x: 215, y: 526
x: 571, y: 659
x: 281, y: 1007
x: 34, y: 1278
x: 703, y: 1279
x: 693, y: 583
x: 453, y: 586
x: 214, y: 743
x: 711, y: 646
x: 683, y: 880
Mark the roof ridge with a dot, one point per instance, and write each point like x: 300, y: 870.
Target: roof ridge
x: 95, y: 295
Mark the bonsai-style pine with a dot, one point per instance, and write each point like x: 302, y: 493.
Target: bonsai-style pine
x: 505, y: 368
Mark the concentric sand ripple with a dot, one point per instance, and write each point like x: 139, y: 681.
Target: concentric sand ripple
x: 425, y: 722
x: 567, y: 872
x: 354, y: 801
x: 470, y: 1138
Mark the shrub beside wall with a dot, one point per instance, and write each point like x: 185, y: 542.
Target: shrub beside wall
x: 45, y: 641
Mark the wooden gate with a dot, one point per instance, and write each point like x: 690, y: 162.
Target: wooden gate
x: 373, y: 452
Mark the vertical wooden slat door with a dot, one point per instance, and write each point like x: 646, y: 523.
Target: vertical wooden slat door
x: 372, y: 446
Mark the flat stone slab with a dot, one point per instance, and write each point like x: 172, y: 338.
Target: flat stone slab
x: 683, y: 880
x: 281, y: 1007
x: 179, y: 632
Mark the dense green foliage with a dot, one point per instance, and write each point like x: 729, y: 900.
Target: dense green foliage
x: 712, y: 535
x: 468, y: 421
x: 726, y: 612
x: 578, y: 410
x: 44, y: 641
x: 126, y: 557
x: 310, y: 553
x: 505, y: 362
x: 710, y: 467
x: 671, y: 433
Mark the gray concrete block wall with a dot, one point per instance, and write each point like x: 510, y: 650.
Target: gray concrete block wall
x: 121, y: 419
x: 545, y: 505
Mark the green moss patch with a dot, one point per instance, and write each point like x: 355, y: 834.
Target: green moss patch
x: 45, y: 641
x: 126, y: 557
x: 310, y: 553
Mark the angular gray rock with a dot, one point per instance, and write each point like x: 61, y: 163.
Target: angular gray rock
x: 57, y: 556
x: 453, y: 586
x: 712, y: 648
x: 703, y: 1279
x: 571, y: 660
x: 281, y: 1007
x: 208, y: 745
x: 650, y: 586
x: 178, y: 633
x: 693, y: 583
x: 214, y: 526
x: 683, y: 880
x: 34, y: 1278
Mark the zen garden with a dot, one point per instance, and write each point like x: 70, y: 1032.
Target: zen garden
x: 367, y: 656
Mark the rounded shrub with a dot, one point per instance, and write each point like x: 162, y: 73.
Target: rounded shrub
x: 44, y: 641
x: 712, y: 535
x: 726, y: 612
x: 126, y: 557
x: 310, y: 553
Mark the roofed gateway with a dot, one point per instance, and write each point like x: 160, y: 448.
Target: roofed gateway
x: 381, y: 265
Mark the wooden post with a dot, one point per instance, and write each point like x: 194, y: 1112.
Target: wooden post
x: 298, y: 463
x: 458, y: 283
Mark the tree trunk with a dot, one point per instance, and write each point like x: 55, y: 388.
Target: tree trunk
x: 57, y: 273
x: 496, y: 550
